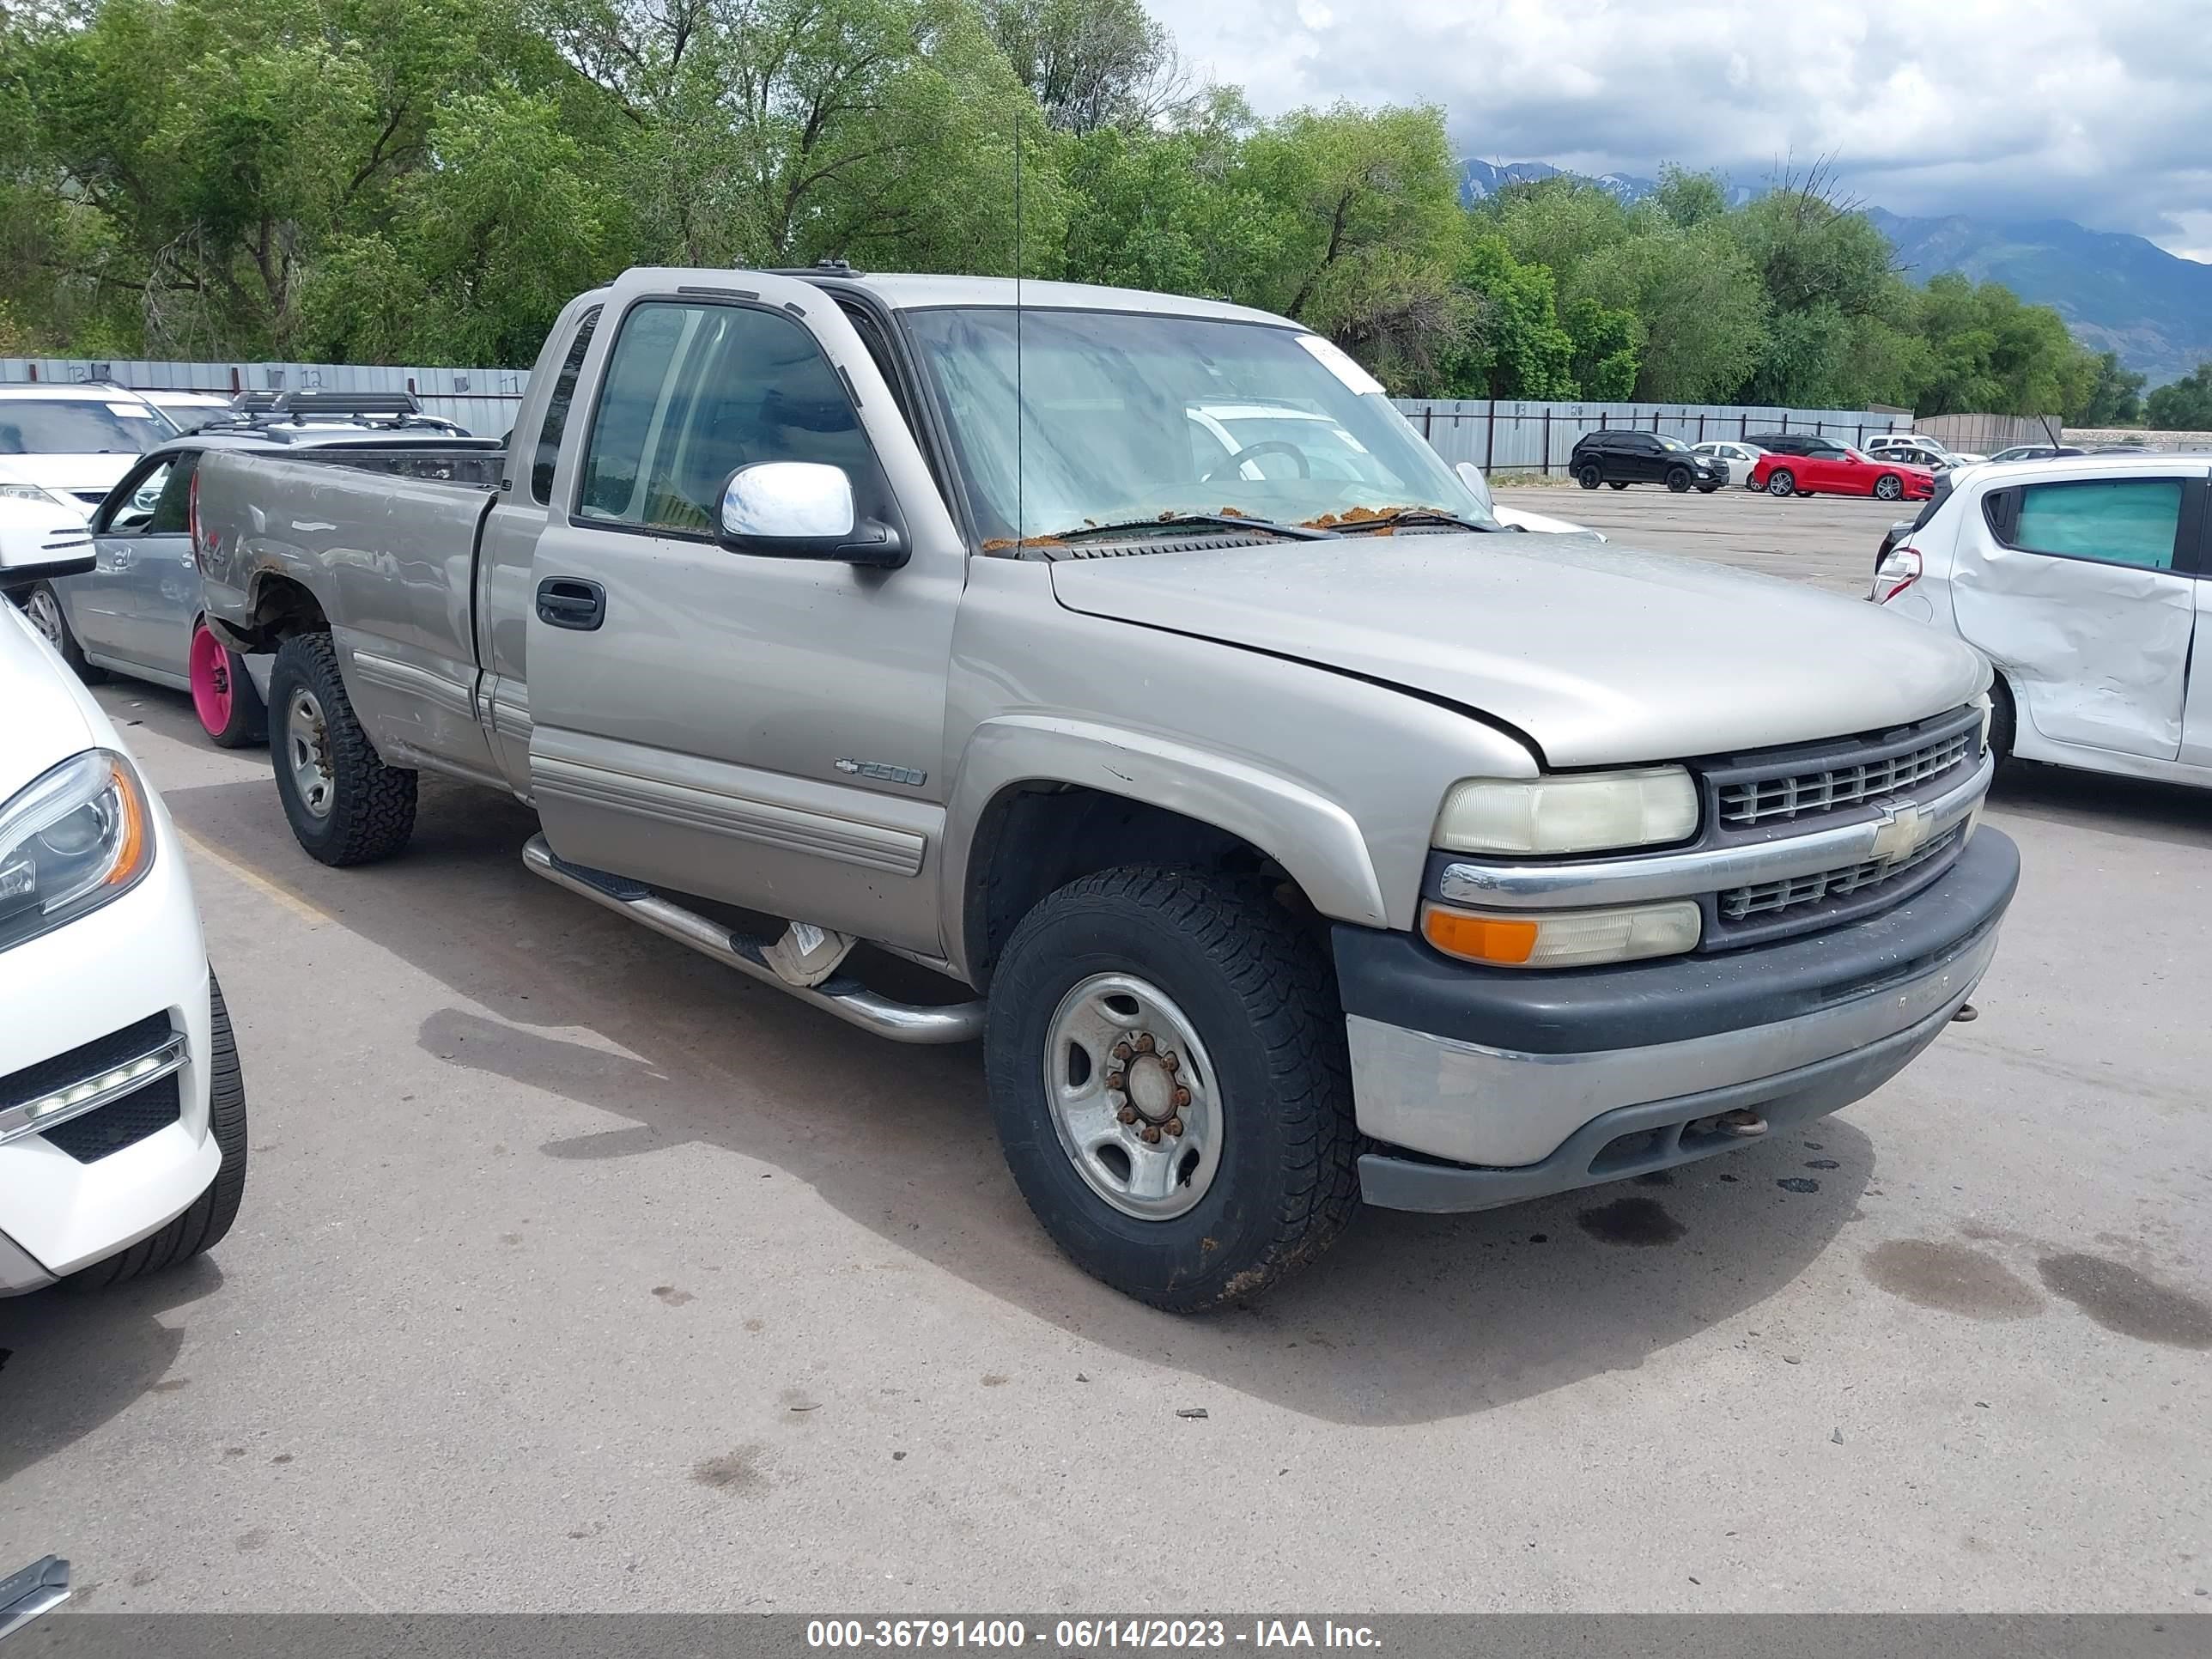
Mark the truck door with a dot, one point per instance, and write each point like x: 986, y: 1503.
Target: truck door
x: 518, y: 518
x: 2080, y: 590
x: 763, y: 731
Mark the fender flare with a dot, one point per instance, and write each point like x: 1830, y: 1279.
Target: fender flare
x: 1313, y: 838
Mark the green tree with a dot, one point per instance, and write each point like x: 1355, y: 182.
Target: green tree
x: 1365, y: 205
x: 1559, y: 222
x: 1698, y: 304
x: 2114, y: 397
x: 1607, y: 344
x: 1687, y: 200
x: 1513, y: 345
x: 1988, y: 352
x: 2183, y: 405
x: 1091, y: 64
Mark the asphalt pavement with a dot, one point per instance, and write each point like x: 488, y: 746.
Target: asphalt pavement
x: 576, y: 1273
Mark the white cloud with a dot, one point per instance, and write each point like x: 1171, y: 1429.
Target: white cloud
x: 2004, y: 109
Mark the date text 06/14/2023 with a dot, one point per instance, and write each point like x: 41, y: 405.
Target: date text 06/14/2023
x: 1084, y: 1635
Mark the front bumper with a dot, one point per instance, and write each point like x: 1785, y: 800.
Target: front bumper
x: 139, y: 959
x: 1494, y: 1085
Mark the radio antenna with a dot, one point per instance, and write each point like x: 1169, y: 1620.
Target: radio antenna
x: 1021, y: 480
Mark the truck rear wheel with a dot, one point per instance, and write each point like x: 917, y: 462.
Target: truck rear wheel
x: 202, y: 1227
x: 1166, y: 1062
x: 345, y: 806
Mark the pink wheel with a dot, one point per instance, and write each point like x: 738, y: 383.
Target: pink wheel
x: 209, y: 669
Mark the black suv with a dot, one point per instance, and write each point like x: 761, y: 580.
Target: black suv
x: 1621, y: 458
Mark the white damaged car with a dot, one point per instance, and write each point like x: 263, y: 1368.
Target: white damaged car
x: 122, y: 1111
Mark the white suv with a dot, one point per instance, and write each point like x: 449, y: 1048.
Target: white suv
x: 75, y: 441
x: 2081, y: 579
x: 122, y: 1114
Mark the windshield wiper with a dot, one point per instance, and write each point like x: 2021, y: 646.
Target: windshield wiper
x: 1183, y: 520
x: 1392, y: 518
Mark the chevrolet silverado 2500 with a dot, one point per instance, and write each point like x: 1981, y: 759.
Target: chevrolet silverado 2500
x: 1289, y: 836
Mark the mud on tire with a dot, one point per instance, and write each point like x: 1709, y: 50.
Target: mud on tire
x: 1260, y: 996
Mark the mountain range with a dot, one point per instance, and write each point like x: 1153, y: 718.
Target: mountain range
x: 2118, y: 293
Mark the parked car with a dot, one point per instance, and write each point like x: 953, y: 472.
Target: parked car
x: 15, y: 486
x: 1304, y: 838
x: 2081, y: 579
x: 1619, y: 456
x: 77, y: 440
x: 2037, y: 452
x: 188, y: 411
x: 1916, y: 449
x: 1734, y: 454
x: 138, y: 613
x: 122, y: 1114
x: 1820, y: 466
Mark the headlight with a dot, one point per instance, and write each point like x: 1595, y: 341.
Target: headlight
x: 76, y: 837
x: 15, y: 490
x: 1563, y: 938
x: 1573, y: 812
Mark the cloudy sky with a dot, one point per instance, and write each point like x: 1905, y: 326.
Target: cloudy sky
x: 2098, y: 111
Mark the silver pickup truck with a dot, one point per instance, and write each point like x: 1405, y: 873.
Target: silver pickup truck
x: 1290, y: 833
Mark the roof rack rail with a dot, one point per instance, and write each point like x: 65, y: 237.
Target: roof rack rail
x: 302, y: 404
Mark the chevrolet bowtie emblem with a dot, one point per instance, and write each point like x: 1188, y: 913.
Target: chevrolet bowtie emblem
x: 1904, y: 828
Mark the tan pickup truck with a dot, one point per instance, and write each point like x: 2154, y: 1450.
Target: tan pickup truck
x: 1289, y: 830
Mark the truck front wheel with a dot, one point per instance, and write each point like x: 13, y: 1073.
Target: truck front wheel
x: 345, y: 806
x: 1166, y: 1062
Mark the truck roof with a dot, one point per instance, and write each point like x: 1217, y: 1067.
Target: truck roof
x: 905, y: 292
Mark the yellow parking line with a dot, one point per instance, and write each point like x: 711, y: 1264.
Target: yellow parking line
x: 313, y: 914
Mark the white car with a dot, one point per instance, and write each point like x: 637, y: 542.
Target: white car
x: 1736, y: 455
x: 1915, y: 450
x: 1514, y: 518
x: 188, y: 411
x: 77, y: 440
x: 122, y: 1114
x: 2083, y: 579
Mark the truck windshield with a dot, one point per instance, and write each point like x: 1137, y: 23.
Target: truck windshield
x: 1131, y: 415
x: 70, y: 426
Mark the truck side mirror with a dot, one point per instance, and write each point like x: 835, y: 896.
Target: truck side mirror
x: 40, y: 542
x: 802, y: 510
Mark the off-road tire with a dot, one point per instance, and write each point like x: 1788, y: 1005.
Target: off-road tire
x: 372, y: 806
x: 200, y: 1228
x: 1678, y: 480
x: 1261, y: 995
x: 71, y: 652
x: 1590, y: 476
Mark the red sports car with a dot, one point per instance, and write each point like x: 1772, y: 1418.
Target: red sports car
x: 1825, y: 467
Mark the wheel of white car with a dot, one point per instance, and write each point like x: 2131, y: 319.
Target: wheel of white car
x: 1166, y: 1062
x: 344, y: 805
x: 202, y: 1227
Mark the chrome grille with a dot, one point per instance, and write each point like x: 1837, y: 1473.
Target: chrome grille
x: 1747, y: 802
x: 1769, y: 899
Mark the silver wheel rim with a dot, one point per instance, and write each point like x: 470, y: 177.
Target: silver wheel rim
x: 1888, y: 490
x: 1133, y: 1097
x: 46, y: 613
x: 1778, y: 484
x: 307, y: 751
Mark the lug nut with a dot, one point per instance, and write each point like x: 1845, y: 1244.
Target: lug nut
x: 1145, y: 1044
x: 1172, y: 1061
x: 1122, y: 1051
x: 1126, y: 1114
x: 1151, y: 1134
x: 1173, y: 1126
x: 1117, y: 1080
x: 1181, y: 1098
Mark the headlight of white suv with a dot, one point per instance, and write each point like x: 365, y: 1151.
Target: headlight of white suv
x: 75, y: 838
x: 1570, y: 812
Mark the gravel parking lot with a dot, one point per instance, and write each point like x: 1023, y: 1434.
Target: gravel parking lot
x: 577, y: 1272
